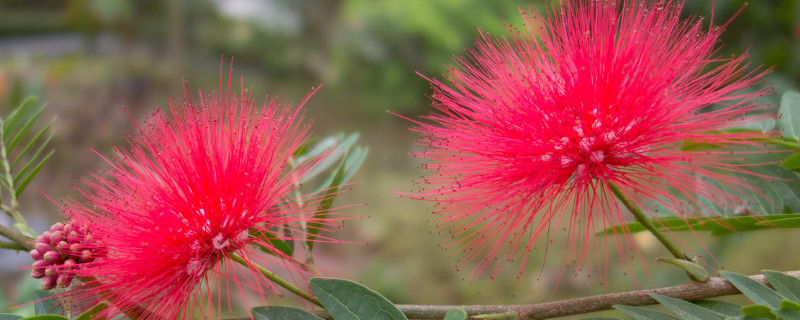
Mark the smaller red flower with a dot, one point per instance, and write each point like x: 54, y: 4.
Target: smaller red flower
x: 184, y: 196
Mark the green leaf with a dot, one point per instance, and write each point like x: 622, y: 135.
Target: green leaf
x: 789, y: 305
x: 337, y: 146
x: 789, y: 115
x: 17, y: 117
x: 37, y: 139
x: 324, y: 206
x: 455, y: 314
x: 25, y: 229
x: 347, y: 300
x: 781, y: 223
x: 641, y: 313
x: 693, y: 268
x: 45, y: 303
x: 274, y: 242
x: 787, y: 314
x: 788, y: 286
x: 8, y: 316
x: 758, y: 311
x: 90, y: 314
x: 792, y: 162
x: 22, y: 132
x: 759, y: 293
x: 717, y: 226
x: 789, y: 310
x: 21, y: 186
x: 686, y: 310
x: 46, y: 317
x: 282, y: 313
x: 722, y: 307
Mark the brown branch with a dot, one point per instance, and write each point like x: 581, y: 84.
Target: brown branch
x: 714, y: 287
x: 25, y: 242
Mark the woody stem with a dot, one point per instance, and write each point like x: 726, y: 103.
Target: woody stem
x: 647, y: 223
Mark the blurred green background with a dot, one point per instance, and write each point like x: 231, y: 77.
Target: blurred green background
x: 87, y: 59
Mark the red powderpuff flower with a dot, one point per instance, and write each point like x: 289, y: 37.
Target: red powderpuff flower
x: 532, y: 131
x: 184, y: 196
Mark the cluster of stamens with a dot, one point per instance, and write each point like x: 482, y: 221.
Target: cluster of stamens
x: 58, y: 252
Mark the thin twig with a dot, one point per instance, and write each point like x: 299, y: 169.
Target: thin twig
x: 714, y: 287
x: 12, y: 246
x: 25, y: 242
x: 275, y: 279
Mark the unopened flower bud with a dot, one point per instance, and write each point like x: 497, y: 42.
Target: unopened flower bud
x: 63, y: 280
x: 62, y: 246
x: 48, y: 283
x: 69, y: 264
x: 67, y: 229
x: 52, y: 257
x: 37, y: 273
x: 51, y: 271
x: 42, y: 247
x: 46, y: 237
x: 75, y: 249
x: 86, y: 255
x: 57, y: 227
x: 40, y: 264
x: 73, y: 237
x: 56, y: 237
x: 36, y: 255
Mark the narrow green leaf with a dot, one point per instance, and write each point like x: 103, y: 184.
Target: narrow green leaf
x: 726, y: 308
x: 324, y: 206
x: 352, y: 162
x: 687, y: 310
x: 694, y: 269
x: 758, y: 311
x: 8, y: 316
x: 24, y: 170
x: 790, y: 305
x: 337, y: 146
x: 21, y: 187
x: 787, y: 314
x: 641, y: 313
x: 46, y: 317
x: 17, y: 116
x: 273, y: 240
x: 282, y: 313
x: 35, y: 141
x: 347, y: 300
x: 789, y: 115
x: 25, y: 229
x: 788, y: 286
x: 759, y: 293
x: 45, y: 303
x: 792, y: 162
x: 718, y: 226
x: 22, y: 132
x: 455, y: 314
x: 90, y: 314
x: 781, y: 223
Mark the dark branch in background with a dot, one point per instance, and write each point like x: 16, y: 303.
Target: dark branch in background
x: 714, y: 287
x: 21, y: 241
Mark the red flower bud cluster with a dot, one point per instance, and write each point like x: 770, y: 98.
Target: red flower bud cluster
x: 59, y: 251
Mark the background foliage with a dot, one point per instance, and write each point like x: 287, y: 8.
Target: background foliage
x: 87, y: 59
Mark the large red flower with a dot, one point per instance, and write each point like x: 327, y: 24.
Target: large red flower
x: 193, y: 186
x: 532, y: 131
